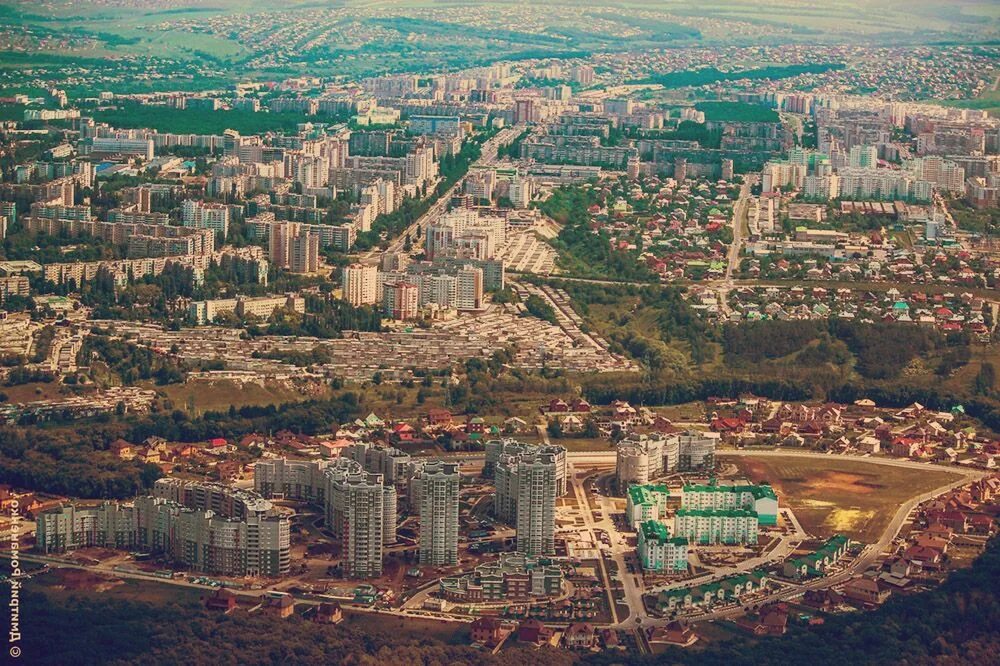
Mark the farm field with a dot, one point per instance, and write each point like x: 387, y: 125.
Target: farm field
x: 841, y: 496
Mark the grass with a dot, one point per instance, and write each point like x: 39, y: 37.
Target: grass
x: 583, y: 444
x: 34, y: 392
x: 453, y: 633
x: 839, y: 496
x: 219, y: 395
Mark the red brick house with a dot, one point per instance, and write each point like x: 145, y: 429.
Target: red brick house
x: 487, y: 630
x: 329, y: 613
x: 438, y: 417
x: 280, y: 607
x: 221, y: 600
x: 533, y: 631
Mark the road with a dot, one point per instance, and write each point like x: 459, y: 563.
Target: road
x: 487, y: 157
x: 590, y: 525
x: 739, y: 222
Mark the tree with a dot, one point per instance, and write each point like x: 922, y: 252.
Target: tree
x: 985, y: 379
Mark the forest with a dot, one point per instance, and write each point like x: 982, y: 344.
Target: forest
x: 200, y: 121
x: 95, y: 630
x: 75, y: 461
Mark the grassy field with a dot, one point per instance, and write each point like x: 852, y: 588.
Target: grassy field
x: 839, y: 496
x: 209, y: 396
x: 453, y: 633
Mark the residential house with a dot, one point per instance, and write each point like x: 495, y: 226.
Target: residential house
x: 280, y: 607
x: 579, y: 636
x: 487, y: 630
x: 866, y: 591
x: 533, y: 631
x: 675, y: 633
x: 329, y: 613
x: 221, y: 600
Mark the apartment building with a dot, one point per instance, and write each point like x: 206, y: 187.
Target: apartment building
x: 638, y: 460
x: 201, y: 215
x: 98, y: 146
x: 360, y: 284
x: 526, y: 490
x: 258, y: 545
x: 262, y: 307
x: 658, y: 551
x: 495, y: 448
x: 299, y: 480
x: 760, y: 499
x: 715, y: 526
x: 401, y: 300
x: 15, y: 285
x: 439, y: 485
x: 645, y: 503
x: 512, y: 577
x: 228, y: 501
x: 361, y: 512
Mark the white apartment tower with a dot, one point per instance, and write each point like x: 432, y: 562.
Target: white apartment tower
x: 361, y: 284
x: 439, y: 482
x: 361, y: 511
x: 526, y: 484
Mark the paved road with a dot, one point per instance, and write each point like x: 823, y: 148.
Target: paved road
x: 487, y: 156
x: 739, y: 222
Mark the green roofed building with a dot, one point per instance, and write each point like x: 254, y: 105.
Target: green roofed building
x: 817, y: 564
x: 733, y: 588
x: 658, y: 551
x: 714, y: 526
x: 758, y: 498
x: 645, y: 502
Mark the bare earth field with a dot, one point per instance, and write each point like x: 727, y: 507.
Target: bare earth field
x: 839, y: 496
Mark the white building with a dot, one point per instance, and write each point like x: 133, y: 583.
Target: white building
x: 439, y: 483
x: 201, y: 215
x: 360, y: 284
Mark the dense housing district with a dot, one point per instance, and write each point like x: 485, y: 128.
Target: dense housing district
x: 604, y: 350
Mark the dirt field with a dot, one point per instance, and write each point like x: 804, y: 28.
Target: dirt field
x: 64, y: 583
x: 850, y: 497
x: 219, y: 395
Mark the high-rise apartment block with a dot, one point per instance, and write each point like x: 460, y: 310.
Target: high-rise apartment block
x: 361, y: 511
x: 204, y: 540
x: 201, y: 215
x: 526, y: 491
x: 360, y: 284
x: 439, y: 483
